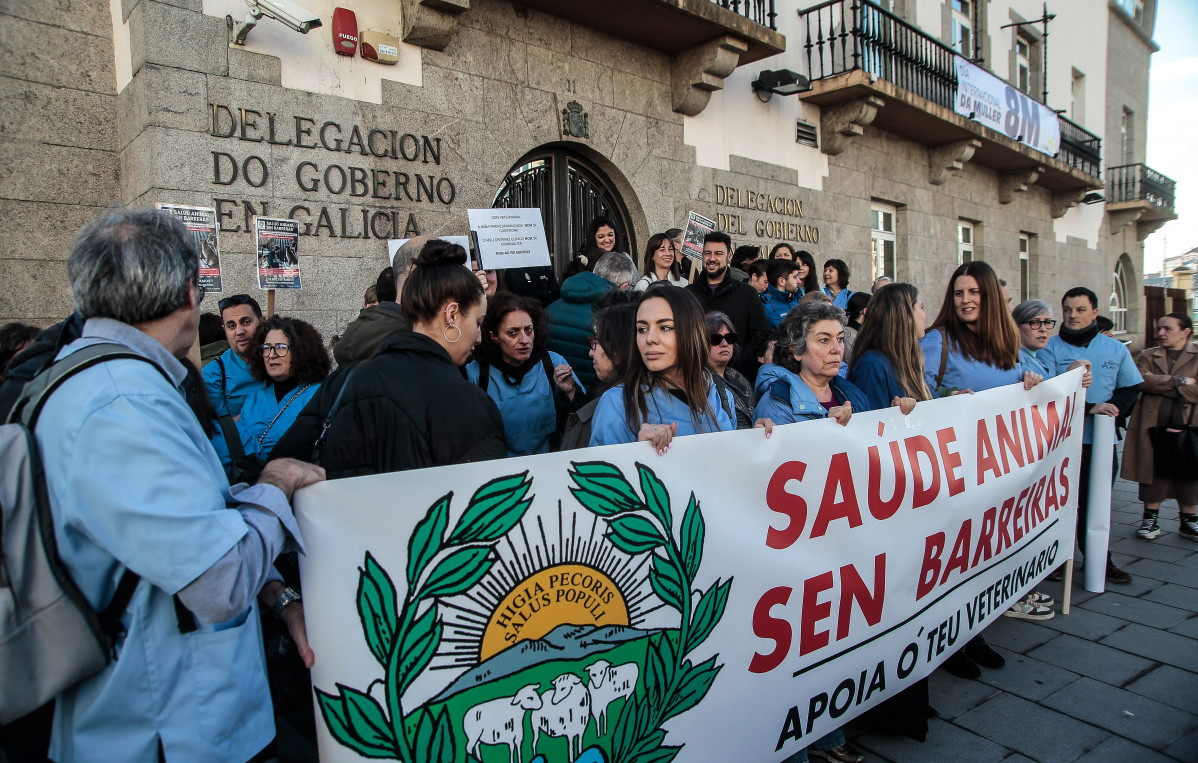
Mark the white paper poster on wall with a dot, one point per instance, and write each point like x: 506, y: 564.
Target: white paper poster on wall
x: 733, y: 600
x: 1000, y: 106
x: 510, y: 238
x: 393, y: 244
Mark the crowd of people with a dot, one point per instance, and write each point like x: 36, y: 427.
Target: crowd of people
x: 445, y: 366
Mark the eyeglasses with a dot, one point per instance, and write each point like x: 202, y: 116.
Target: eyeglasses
x: 280, y: 350
x: 1040, y: 324
x: 200, y: 292
x: 594, y: 342
x: 716, y: 339
x: 236, y: 299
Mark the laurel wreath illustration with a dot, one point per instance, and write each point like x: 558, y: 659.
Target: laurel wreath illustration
x: 636, y: 525
x: 404, y: 636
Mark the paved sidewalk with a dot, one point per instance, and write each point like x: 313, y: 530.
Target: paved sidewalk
x: 1114, y: 680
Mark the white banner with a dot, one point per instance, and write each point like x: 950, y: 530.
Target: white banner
x: 985, y: 98
x: 735, y: 599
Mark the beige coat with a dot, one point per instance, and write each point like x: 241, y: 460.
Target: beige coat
x: 1137, y: 451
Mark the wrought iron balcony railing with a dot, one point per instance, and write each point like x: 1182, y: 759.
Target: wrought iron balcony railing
x: 1138, y: 182
x: 761, y: 11
x: 848, y: 35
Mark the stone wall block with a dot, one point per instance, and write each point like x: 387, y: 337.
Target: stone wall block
x: 183, y: 160
x: 85, y: 16
x: 452, y: 93
x: 520, y: 23
x: 555, y: 72
x: 35, y: 291
x: 37, y: 230
x: 474, y: 51
x: 255, y: 67
x: 162, y: 97
x: 695, y: 73
x: 41, y: 113
x: 175, y: 37
x: 431, y: 24
x: 666, y: 140
x: 642, y: 96
x: 759, y: 170
x: 80, y: 176
x: 623, y: 55
x: 542, y: 112
x: 90, y: 65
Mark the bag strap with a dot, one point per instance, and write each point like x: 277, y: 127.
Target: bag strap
x: 484, y: 374
x: 224, y: 390
x: 721, y: 385
x: 943, y: 356
x: 318, y: 446
x: 228, y: 428
x: 291, y: 400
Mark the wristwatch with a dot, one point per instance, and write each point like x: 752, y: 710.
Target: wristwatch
x: 289, y: 595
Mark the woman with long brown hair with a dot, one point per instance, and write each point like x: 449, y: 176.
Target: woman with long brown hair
x: 887, y: 364
x: 662, y: 263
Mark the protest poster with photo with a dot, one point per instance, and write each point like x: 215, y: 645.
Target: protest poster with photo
x: 277, y: 244
x: 697, y: 226
x: 201, y: 222
x: 393, y: 245
x: 610, y: 605
x: 509, y: 238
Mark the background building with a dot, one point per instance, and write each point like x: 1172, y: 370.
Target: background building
x: 640, y: 109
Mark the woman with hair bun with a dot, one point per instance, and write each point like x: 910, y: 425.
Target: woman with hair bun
x: 409, y: 406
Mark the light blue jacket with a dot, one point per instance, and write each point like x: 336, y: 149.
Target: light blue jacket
x: 1031, y: 362
x: 841, y: 300
x: 1111, y: 366
x: 258, y: 434
x: 961, y: 372
x: 785, y: 398
x: 527, y: 408
x: 873, y: 374
x: 229, y: 390
x: 609, y: 426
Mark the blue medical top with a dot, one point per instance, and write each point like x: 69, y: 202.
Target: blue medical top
x: 608, y: 426
x: 228, y: 396
x: 260, y: 410
x: 135, y: 483
x: 1031, y: 362
x: 962, y: 372
x: 874, y: 375
x: 841, y: 300
x: 529, y: 415
x: 784, y: 398
x: 777, y: 304
x: 1111, y: 367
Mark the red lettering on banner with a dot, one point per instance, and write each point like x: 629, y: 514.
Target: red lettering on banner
x: 840, y: 482
x: 932, y: 549
x: 1064, y: 496
x: 922, y: 493
x: 1004, y: 532
x: 987, y: 461
x: 1008, y: 443
x: 1019, y: 516
x: 878, y: 508
x: 786, y: 503
x: 813, y: 612
x: 853, y: 589
x: 985, y: 538
x: 1050, y: 494
x: 1025, y: 429
x: 951, y: 460
x: 1037, y: 512
x: 1047, y: 428
x: 959, y: 558
x: 776, y: 629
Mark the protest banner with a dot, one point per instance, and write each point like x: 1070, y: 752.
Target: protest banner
x: 277, y: 243
x: 509, y: 238
x: 987, y: 99
x: 735, y: 599
x: 202, y: 224
x: 697, y: 226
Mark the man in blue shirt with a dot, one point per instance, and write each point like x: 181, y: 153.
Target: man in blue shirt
x: 135, y: 485
x: 1112, y: 392
x: 228, y: 380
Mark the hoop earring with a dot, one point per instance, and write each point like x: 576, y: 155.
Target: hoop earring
x: 445, y: 334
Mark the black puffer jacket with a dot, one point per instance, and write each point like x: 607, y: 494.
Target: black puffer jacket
x: 407, y: 408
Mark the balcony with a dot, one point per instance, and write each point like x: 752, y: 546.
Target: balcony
x: 1138, y: 194
x: 868, y: 66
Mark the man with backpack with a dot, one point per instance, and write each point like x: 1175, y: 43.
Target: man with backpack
x: 142, y: 512
x: 228, y: 378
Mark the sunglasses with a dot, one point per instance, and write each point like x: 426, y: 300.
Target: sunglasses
x: 716, y: 339
x: 236, y: 299
x: 1040, y: 324
x: 280, y: 350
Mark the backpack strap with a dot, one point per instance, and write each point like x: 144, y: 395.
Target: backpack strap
x: 943, y: 357
x: 484, y: 374
x: 34, y: 396
x: 224, y: 389
x: 228, y: 428
x: 721, y: 385
x: 318, y: 446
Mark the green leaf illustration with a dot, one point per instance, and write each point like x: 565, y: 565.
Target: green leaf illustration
x: 494, y: 509
x: 657, y: 500
x: 602, y: 489
x: 355, y: 723
x: 427, y: 537
x: 377, y: 608
x: 659, y: 755
x: 708, y: 612
x: 434, y: 737
x: 693, y: 685
x: 657, y: 675
x: 417, y: 649
x: 664, y: 579
x: 626, y: 732
x: 693, y: 535
x: 457, y: 572
x: 634, y: 535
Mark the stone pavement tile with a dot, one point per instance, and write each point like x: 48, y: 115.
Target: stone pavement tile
x: 1017, y: 635
x: 952, y: 696
x: 1084, y: 623
x: 1187, y: 628
x: 1190, y: 561
x: 1146, y: 549
x: 1138, y: 586
x: 1142, y: 611
x: 1183, y: 749
x: 1104, y: 663
x: 1026, y: 677
x: 1125, y: 713
x: 944, y: 742
x: 1154, y: 644
x: 1041, y: 734
x: 1175, y: 596
x: 1119, y: 750
x: 1017, y: 758
x: 1164, y: 572
x: 1170, y: 537
x: 1170, y: 685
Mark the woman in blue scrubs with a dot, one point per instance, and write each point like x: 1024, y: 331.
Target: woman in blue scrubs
x: 291, y: 359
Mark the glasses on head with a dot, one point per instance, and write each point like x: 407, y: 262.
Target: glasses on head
x: 280, y: 350
x: 236, y: 299
x: 1037, y: 325
x: 716, y: 339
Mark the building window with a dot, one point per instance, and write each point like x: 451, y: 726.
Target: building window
x: 962, y: 27
x: 1119, y: 300
x: 1077, y: 98
x: 1023, y: 64
x: 1134, y: 8
x: 1025, y: 266
x: 883, y: 241
x: 964, y: 242
x: 1127, y: 135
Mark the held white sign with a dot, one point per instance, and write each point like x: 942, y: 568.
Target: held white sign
x: 985, y: 98
x: 735, y: 599
x: 510, y: 238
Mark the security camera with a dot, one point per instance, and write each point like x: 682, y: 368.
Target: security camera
x: 293, y: 15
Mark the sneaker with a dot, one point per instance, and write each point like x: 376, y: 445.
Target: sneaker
x: 1116, y: 575
x: 1039, y: 599
x: 1149, y: 529
x: 842, y: 754
x: 1189, y: 526
x: 1025, y: 611
x: 981, y: 653
x: 961, y: 666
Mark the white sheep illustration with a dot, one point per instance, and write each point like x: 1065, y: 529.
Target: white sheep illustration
x: 607, y: 685
x: 565, y: 712
x: 501, y: 721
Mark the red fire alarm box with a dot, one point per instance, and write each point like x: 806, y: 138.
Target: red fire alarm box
x: 345, y: 32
